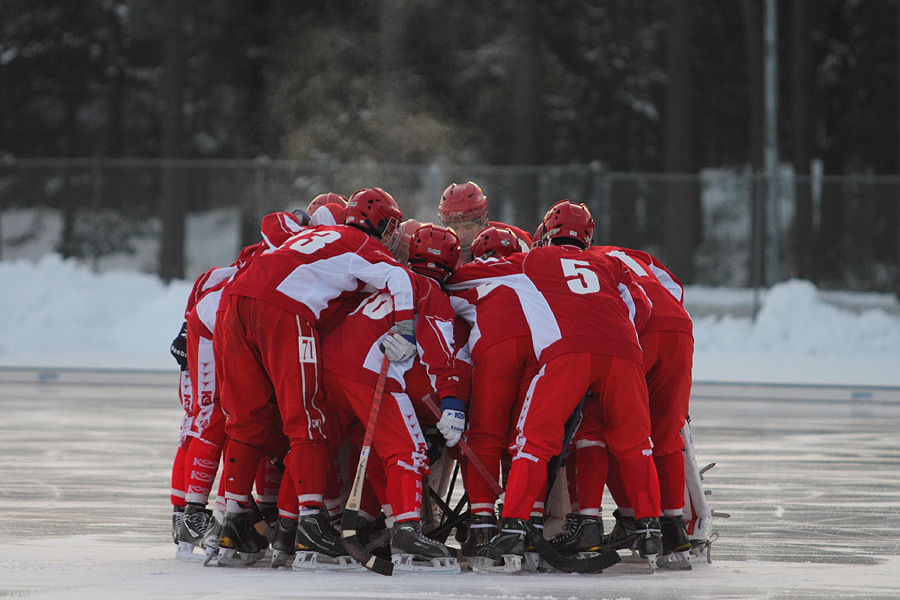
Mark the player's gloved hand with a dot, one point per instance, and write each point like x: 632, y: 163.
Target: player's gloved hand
x: 302, y: 216
x: 453, y: 420
x: 179, y: 347
x: 398, y: 347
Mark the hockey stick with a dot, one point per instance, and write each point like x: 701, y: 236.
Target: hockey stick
x: 349, y: 534
x: 567, y: 564
x: 557, y: 462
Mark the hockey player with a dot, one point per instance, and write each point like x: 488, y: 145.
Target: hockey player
x: 583, y: 309
x: 352, y: 357
x: 465, y: 209
x: 503, y: 364
x: 668, y: 345
x: 208, y: 424
x: 267, y: 342
x: 324, y: 199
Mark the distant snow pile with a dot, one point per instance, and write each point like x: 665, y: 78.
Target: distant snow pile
x: 793, y: 320
x: 59, y: 313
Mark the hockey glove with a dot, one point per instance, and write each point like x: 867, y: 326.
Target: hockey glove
x: 179, y: 347
x: 302, y: 216
x: 398, y: 347
x: 453, y: 420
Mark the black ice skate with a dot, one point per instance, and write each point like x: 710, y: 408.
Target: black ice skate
x: 581, y: 534
x: 240, y: 544
x: 177, y: 518
x: 504, y: 553
x: 210, y: 541
x: 482, y: 528
x: 413, y: 552
x: 676, y: 545
x: 648, y: 540
x: 284, y: 547
x: 318, y: 546
x: 193, y: 526
x: 622, y: 535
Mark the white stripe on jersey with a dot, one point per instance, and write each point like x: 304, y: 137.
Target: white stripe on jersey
x: 666, y: 280
x: 541, y: 320
x: 206, y: 309
x: 317, y: 283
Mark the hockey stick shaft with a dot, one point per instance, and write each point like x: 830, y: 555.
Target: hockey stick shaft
x: 559, y: 460
x: 466, y: 449
x: 349, y: 535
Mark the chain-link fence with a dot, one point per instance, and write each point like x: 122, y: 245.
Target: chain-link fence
x: 719, y: 228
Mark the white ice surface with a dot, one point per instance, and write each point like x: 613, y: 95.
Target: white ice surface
x: 813, y: 490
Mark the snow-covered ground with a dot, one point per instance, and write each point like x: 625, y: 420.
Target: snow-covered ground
x: 56, y: 313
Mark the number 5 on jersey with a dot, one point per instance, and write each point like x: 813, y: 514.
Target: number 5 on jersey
x: 579, y: 276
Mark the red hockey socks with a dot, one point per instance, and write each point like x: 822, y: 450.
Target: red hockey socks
x: 591, y: 471
x: 309, y: 463
x: 404, y: 490
x: 526, y: 479
x: 239, y: 471
x: 201, y: 465
x: 670, y: 469
x: 177, y: 491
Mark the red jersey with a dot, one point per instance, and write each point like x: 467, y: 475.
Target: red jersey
x: 352, y: 349
x: 313, y: 272
x: 276, y: 227
x: 574, y: 300
x: 668, y: 313
x: 493, y: 312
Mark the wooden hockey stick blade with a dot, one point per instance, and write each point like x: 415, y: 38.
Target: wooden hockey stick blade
x: 357, y: 551
x: 571, y: 564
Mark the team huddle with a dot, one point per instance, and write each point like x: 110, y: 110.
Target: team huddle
x: 350, y: 358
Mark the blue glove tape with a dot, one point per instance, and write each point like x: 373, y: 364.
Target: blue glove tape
x: 452, y: 403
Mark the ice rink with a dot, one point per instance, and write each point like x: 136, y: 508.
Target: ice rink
x: 811, y: 477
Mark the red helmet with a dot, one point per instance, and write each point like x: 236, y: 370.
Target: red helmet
x: 376, y: 212
x: 567, y: 220
x: 463, y: 203
x: 323, y: 199
x: 538, y: 234
x: 330, y: 214
x: 494, y: 242
x: 434, y: 251
x: 277, y: 227
x: 407, y: 229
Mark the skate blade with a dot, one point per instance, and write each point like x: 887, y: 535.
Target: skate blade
x: 229, y: 557
x: 652, y: 560
x: 678, y: 561
x: 534, y: 563
x: 510, y: 563
x: 316, y: 561
x: 185, y: 551
x: 409, y: 563
x: 280, y: 558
